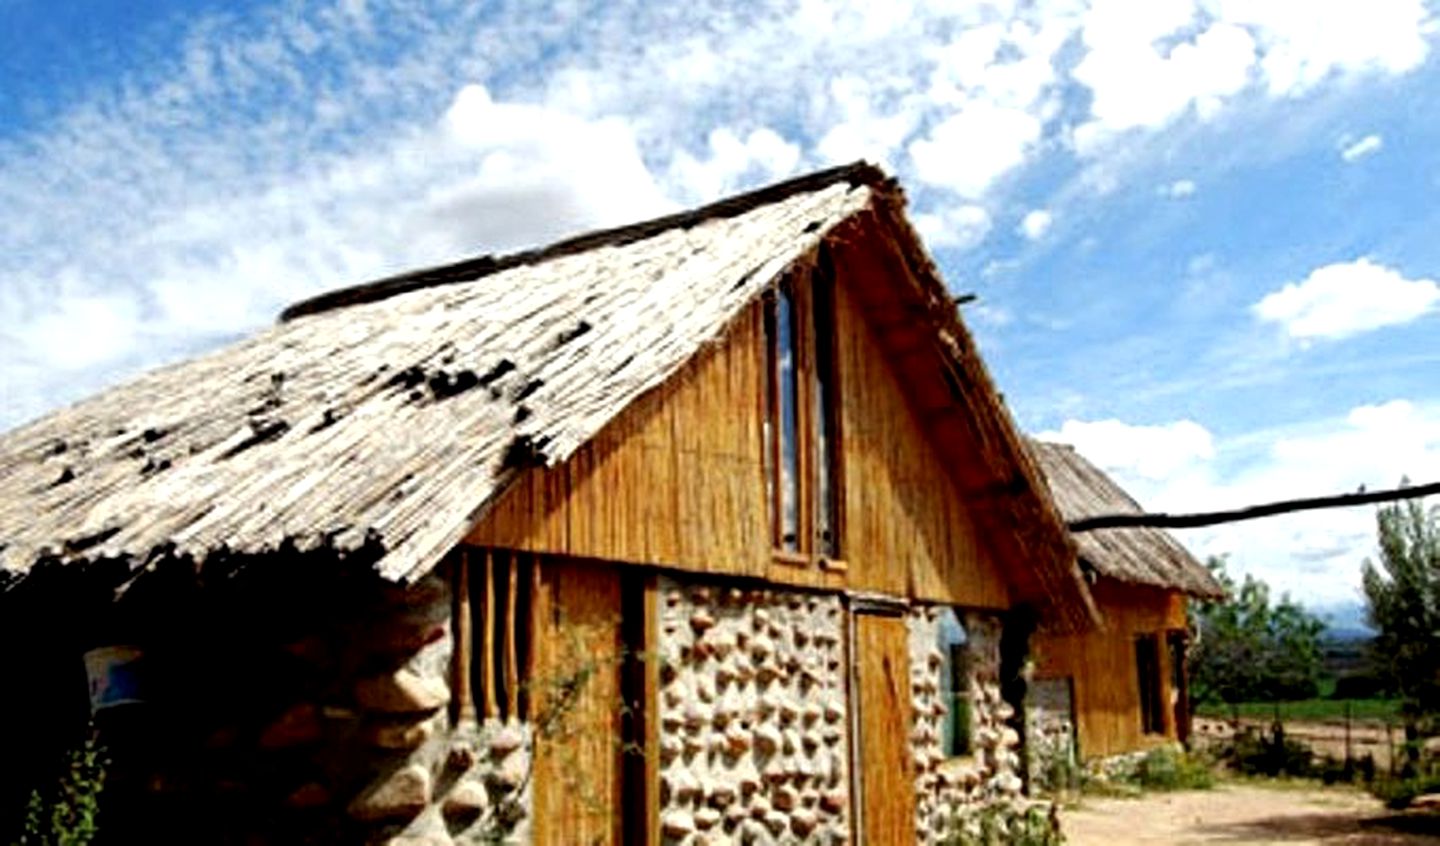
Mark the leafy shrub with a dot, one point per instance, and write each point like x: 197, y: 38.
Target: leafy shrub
x: 1163, y: 768
x: 1166, y: 768
x: 1398, y: 793
x: 70, y: 816
x: 1361, y: 686
x: 1332, y: 770
x: 1004, y: 824
x: 1271, y: 754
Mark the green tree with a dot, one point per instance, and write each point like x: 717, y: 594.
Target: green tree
x: 1252, y: 648
x: 1403, y: 595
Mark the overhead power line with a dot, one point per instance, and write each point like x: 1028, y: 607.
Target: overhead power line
x: 1211, y: 518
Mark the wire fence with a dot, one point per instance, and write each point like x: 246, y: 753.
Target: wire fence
x: 1354, y: 733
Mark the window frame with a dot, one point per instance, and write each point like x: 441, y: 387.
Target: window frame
x: 1151, y: 685
x: 955, y: 670
x: 818, y: 456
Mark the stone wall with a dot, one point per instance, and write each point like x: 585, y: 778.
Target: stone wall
x: 991, y: 774
x: 1053, y: 757
x: 302, y: 717
x: 753, y: 716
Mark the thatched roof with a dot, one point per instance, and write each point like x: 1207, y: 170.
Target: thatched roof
x: 1142, y: 556
x: 388, y: 418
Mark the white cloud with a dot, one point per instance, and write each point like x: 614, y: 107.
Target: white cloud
x: 968, y: 151
x: 81, y: 330
x: 271, y: 156
x: 1357, y: 150
x: 1135, y: 85
x: 1306, y: 43
x: 1150, y: 452
x: 1347, y: 298
x: 1178, y: 190
x: 733, y: 162
x: 957, y: 226
x: 1035, y: 224
x: 1148, y: 64
x: 1315, y: 556
x: 862, y: 132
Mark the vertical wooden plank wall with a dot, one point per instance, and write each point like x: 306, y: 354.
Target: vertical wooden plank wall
x: 906, y: 529
x: 578, y: 774
x: 1101, y: 664
x: 678, y: 480
x: 887, y: 773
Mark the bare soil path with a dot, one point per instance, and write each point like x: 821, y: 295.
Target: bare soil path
x: 1248, y: 813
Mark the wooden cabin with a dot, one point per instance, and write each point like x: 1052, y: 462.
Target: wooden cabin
x: 707, y: 529
x: 1121, y: 687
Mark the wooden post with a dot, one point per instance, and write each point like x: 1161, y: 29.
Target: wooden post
x: 650, y: 708
x: 464, y: 627
x: 512, y: 666
x: 487, y: 641
x: 1347, y: 736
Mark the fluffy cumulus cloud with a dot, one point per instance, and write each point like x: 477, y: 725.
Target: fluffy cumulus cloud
x: 1138, y: 82
x: 1146, y: 65
x: 318, y: 143
x: 1354, y: 151
x: 732, y: 161
x: 957, y: 226
x: 1347, y: 298
x: 972, y: 148
x: 1149, y: 452
x: 1181, y: 467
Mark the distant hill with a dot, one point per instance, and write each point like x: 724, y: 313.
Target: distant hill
x: 1344, y: 621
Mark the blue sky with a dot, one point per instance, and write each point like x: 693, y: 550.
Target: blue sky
x: 1201, y: 231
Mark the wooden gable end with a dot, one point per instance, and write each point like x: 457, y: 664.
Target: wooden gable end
x: 679, y: 479
x: 1101, y: 666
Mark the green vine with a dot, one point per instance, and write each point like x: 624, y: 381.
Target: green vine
x: 70, y: 816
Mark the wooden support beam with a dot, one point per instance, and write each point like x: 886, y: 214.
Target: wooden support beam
x: 487, y: 640
x: 650, y: 708
x: 511, y: 628
x: 532, y: 628
x: 1253, y: 512
x: 464, y: 632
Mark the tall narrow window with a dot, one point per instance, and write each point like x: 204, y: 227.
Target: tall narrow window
x: 801, y: 426
x: 783, y: 421
x: 826, y: 422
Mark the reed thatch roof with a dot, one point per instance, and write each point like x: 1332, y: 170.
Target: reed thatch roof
x: 386, y: 419
x: 1142, y: 556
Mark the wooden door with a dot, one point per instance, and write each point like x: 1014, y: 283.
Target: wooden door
x: 887, y: 772
x: 576, y: 686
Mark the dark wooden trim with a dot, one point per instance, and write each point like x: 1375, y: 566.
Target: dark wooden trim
x: 857, y: 173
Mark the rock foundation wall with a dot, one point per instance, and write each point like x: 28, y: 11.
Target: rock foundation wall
x: 947, y: 789
x: 329, y: 725
x: 753, y: 716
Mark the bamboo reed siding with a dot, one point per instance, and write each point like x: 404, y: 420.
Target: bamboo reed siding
x: 1101, y: 666
x: 386, y: 420
x: 679, y: 480
x: 1142, y: 556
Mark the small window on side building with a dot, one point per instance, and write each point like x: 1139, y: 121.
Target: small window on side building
x: 1147, y: 666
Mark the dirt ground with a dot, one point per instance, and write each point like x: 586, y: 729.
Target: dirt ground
x: 1245, y: 813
